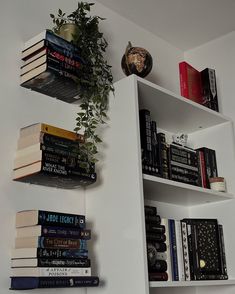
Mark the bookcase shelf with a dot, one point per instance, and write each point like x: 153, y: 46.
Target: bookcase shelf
x: 168, y: 191
x: 174, y: 113
x: 191, y: 283
x: 124, y: 190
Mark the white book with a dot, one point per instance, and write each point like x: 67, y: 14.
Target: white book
x: 39, y: 37
x: 164, y: 222
x: 50, y: 271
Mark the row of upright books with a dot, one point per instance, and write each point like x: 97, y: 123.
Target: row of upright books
x: 51, y: 66
x: 172, y: 160
x: 50, y: 156
x: 198, y: 86
x: 184, y: 250
x: 51, y: 251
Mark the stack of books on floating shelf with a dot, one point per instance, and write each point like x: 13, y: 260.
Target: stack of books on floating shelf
x: 51, y: 251
x: 51, y: 66
x: 47, y: 155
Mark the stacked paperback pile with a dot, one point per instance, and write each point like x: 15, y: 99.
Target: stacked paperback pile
x: 51, y: 251
x: 51, y: 65
x: 173, y: 161
x: 47, y: 155
x: 156, y: 246
x: 184, y: 250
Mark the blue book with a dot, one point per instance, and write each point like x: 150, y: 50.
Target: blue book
x: 37, y: 42
x: 173, y: 249
x: 24, y: 283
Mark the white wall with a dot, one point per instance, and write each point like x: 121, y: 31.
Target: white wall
x: 219, y: 54
x: 21, y: 20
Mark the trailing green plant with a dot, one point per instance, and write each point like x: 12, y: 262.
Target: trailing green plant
x: 96, y: 80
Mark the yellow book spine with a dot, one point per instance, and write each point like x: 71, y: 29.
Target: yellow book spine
x: 45, y: 128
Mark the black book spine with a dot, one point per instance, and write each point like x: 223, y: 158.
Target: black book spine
x: 209, y: 89
x: 162, y: 156
x: 184, y: 179
x: 23, y: 283
x: 79, y: 262
x: 63, y: 243
x: 160, y: 247
x: 184, y: 171
x: 159, y: 266
x: 145, y: 135
x: 150, y: 210
x: 61, y: 253
x: 49, y: 139
x: 151, y: 228
x: 222, y: 251
x: 154, y: 146
x: 155, y: 237
x: 214, y: 172
x: 209, y: 166
x: 54, y: 82
x: 154, y: 219
x: 158, y: 276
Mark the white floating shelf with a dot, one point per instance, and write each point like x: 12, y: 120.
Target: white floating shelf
x: 175, y: 113
x: 168, y: 191
x: 160, y: 284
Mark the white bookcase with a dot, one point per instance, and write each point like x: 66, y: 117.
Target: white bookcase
x: 115, y: 204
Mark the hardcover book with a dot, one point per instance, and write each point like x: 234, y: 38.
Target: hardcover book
x: 26, y: 218
x: 190, y: 82
x: 48, y: 262
x: 49, y: 253
x: 51, y: 231
x: 39, y: 128
x: 37, y: 42
x: 52, y: 81
x: 35, y: 142
x: 50, y: 271
x: 66, y: 55
x: 206, y: 253
x: 50, y: 242
x: 209, y: 89
x: 24, y: 283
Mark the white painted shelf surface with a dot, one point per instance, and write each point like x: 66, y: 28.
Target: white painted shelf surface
x: 168, y: 191
x: 175, y: 113
x: 191, y: 283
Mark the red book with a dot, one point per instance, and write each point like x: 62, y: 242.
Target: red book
x: 190, y: 82
x: 202, y: 169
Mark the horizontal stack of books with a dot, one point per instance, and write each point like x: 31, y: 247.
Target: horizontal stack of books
x: 51, y: 251
x: 47, y: 155
x: 156, y: 246
x: 184, y: 250
x: 51, y: 66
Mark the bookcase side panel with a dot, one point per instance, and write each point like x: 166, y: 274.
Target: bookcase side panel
x: 115, y: 205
